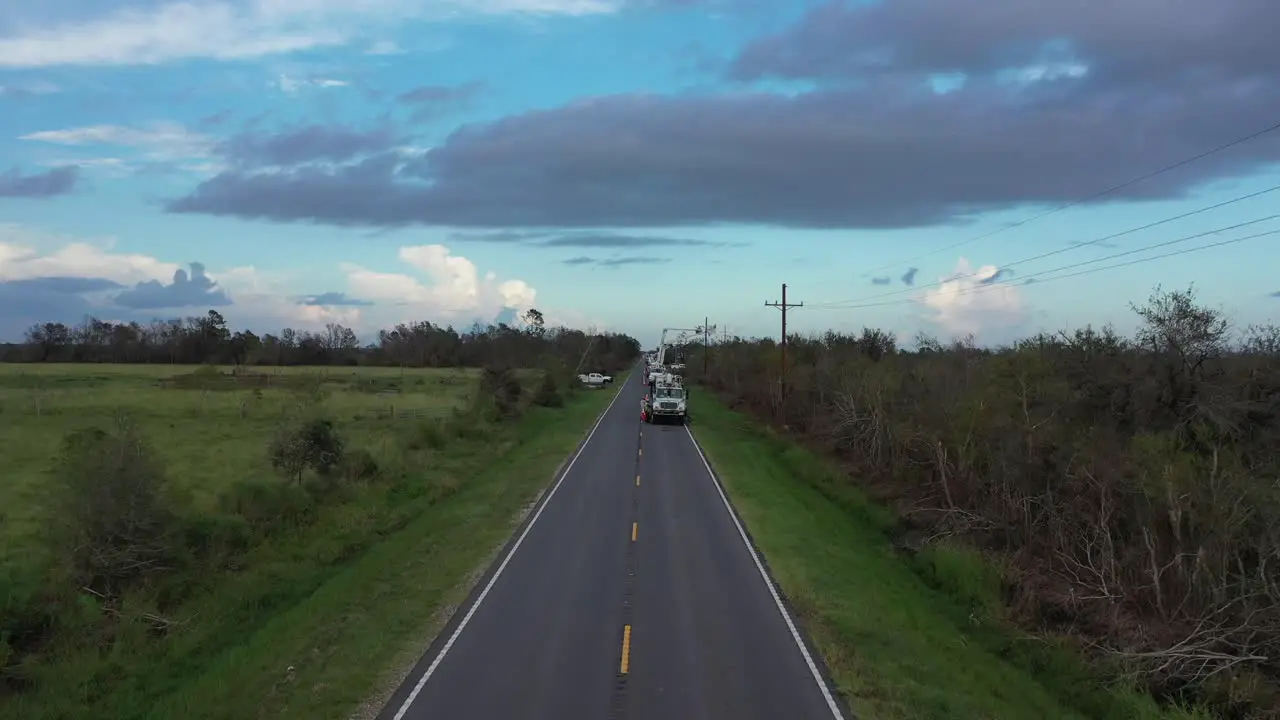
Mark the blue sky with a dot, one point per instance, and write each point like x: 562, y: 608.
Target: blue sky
x: 631, y: 164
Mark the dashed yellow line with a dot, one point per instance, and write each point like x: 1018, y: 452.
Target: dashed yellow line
x: 626, y: 650
x: 635, y: 529
x: 637, y: 481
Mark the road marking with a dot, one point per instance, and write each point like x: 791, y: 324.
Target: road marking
x: 764, y: 575
x: 640, y: 452
x: 635, y: 528
x: 431, y: 669
x: 637, y: 481
x: 626, y: 650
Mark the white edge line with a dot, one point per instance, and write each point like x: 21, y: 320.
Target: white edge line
x: 764, y: 575
x: 422, y: 682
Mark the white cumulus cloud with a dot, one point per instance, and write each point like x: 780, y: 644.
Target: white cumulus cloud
x: 447, y: 287
x: 974, y: 302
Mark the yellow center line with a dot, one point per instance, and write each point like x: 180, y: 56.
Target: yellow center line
x: 626, y: 649
x: 635, y: 528
x: 637, y: 481
x: 640, y: 452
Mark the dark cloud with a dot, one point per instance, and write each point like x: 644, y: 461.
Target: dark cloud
x: 624, y: 241
x: 909, y: 277
x: 307, y: 144
x: 194, y: 289
x: 214, y: 120
x: 333, y: 299
x: 881, y: 280
x: 502, y: 236
x: 616, y: 262
x: 507, y: 316
x: 433, y: 101
x: 584, y: 239
x: 63, y: 285
x: 871, y: 147
x: 46, y: 299
x: 58, y: 181
x: 1275, y: 294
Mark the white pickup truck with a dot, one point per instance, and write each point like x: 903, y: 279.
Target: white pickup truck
x: 595, y: 379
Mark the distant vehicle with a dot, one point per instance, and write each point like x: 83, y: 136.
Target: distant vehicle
x: 666, y: 402
x: 596, y: 379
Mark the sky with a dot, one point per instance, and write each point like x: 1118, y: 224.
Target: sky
x: 985, y: 167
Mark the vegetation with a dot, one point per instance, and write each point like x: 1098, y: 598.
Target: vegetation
x: 906, y: 637
x: 169, y: 531
x: 1123, y: 489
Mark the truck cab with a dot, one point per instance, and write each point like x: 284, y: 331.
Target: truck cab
x: 667, y: 402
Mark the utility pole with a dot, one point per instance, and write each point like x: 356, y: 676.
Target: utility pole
x: 706, y: 343
x: 783, y: 306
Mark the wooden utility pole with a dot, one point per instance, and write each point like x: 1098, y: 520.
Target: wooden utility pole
x: 706, y: 343
x: 783, y: 306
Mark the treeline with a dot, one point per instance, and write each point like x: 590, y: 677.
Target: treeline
x: 1127, y: 485
x: 207, y: 339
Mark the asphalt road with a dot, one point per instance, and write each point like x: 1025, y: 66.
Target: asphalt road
x: 630, y: 592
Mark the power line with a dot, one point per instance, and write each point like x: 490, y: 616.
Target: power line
x: 996, y: 286
x: 1051, y: 253
x: 1089, y: 198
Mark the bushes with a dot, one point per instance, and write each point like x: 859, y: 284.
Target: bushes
x: 109, y: 521
x: 1129, y: 484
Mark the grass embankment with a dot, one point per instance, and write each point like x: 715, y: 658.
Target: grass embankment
x: 905, y: 636
x: 316, y: 607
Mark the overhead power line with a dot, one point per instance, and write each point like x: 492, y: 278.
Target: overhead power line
x: 1095, y: 196
x: 1051, y: 253
x: 1167, y: 243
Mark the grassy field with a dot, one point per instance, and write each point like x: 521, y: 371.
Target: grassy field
x: 314, y: 618
x: 916, y: 637
x: 208, y: 429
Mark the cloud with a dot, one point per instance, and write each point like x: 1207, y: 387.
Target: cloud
x: 58, y: 181
x: 617, y: 262
x: 444, y: 287
x: 432, y: 101
x: 972, y: 302
x: 334, y: 299
x: 383, y: 47
x: 909, y: 277
x: 47, y: 278
x: 151, y: 31
x: 885, y: 280
x: 291, y: 85
x: 28, y: 89
x: 1033, y: 122
x: 160, y: 141
x: 64, y: 285
x: 305, y: 144
x: 583, y: 239
x: 21, y: 258
x: 194, y: 289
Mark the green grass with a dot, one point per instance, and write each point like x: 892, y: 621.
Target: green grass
x: 316, y: 620
x: 207, y: 431
x: 905, y: 637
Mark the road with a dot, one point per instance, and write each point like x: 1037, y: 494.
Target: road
x: 630, y: 592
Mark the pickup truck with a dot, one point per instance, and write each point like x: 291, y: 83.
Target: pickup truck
x: 595, y: 379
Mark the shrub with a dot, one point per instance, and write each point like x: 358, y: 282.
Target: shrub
x: 108, y: 519
x: 548, y: 393
x: 312, y: 444
x: 500, y: 391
